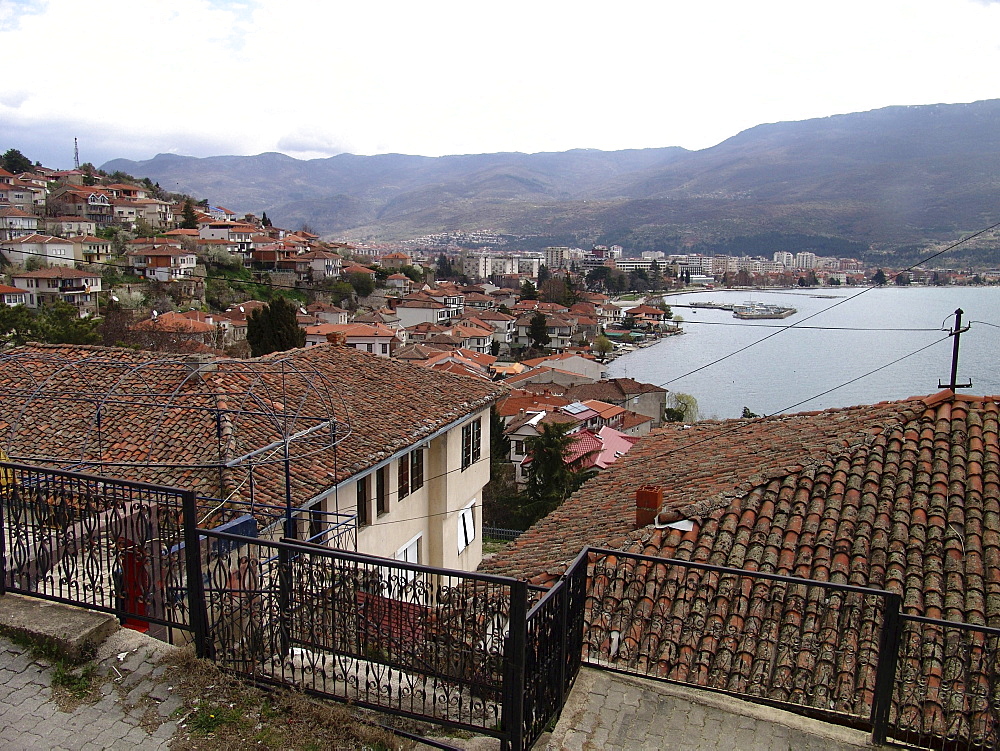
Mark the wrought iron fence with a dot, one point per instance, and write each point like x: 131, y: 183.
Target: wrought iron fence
x: 773, y: 638
x: 398, y: 637
x: 840, y: 652
x: 553, y: 649
x: 106, y: 544
x: 947, y: 687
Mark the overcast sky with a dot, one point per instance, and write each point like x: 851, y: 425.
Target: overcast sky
x: 134, y: 78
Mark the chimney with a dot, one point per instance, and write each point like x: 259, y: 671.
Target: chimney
x: 337, y: 338
x: 648, y: 500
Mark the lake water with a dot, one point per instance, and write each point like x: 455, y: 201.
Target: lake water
x: 841, y: 349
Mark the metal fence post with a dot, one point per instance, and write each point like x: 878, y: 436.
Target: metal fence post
x: 885, y: 677
x: 197, y: 608
x: 515, y: 656
x: 6, y: 480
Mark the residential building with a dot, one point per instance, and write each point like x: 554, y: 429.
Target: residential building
x: 163, y: 262
x: 405, y: 457
x: 45, y: 249
x: 15, y: 222
x: 45, y: 286
x: 377, y: 340
x: 584, y: 365
x: 317, y: 265
x: 68, y: 226
x: 13, y: 296
x: 92, y: 249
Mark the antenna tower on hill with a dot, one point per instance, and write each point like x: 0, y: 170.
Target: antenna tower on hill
x: 76, y: 154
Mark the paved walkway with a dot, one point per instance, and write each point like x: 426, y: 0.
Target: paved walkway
x: 611, y: 711
x: 133, y: 711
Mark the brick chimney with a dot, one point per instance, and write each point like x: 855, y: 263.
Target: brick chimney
x: 337, y: 338
x: 648, y: 500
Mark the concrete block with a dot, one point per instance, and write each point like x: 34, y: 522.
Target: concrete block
x: 75, y: 632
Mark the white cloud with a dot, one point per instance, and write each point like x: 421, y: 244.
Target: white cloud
x: 457, y: 77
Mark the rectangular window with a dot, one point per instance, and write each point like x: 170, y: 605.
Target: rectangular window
x: 385, y: 349
x: 466, y: 526
x: 382, y: 490
x: 370, y: 347
x: 403, y: 477
x: 471, y: 443
x: 519, y: 448
x: 364, y: 509
x: 416, y: 469
x: 410, y: 553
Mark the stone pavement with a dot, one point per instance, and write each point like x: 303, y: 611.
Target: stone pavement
x: 611, y: 711
x: 134, y: 709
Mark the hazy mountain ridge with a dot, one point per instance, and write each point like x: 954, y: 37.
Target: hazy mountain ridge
x: 894, y: 175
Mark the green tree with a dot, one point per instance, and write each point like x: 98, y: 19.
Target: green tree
x: 902, y: 279
x: 597, y: 278
x: 274, y: 328
x: 528, y: 291
x: 551, y: 478
x: 60, y: 323
x: 553, y: 289
x: 680, y: 408
x: 190, y: 218
x: 445, y: 269
x: 17, y: 325
x: 264, y: 221
x: 878, y: 278
x: 655, y: 276
x: 543, y: 274
x: 363, y: 284
x: 15, y: 162
x: 748, y: 415
x: 602, y: 346
x: 538, y: 330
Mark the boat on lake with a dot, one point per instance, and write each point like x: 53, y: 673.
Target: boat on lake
x: 754, y: 311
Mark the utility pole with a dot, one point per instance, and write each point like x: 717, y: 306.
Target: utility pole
x: 957, y: 333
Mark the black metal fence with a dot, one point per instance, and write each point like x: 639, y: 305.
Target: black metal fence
x: 110, y: 545
x: 453, y: 647
x: 835, y: 651
x: 947, y: 688
x: 479, y: 652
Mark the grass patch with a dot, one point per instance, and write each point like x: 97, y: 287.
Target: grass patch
x: 240, y: 716
x: 207, y: 719
x: 78, y: 680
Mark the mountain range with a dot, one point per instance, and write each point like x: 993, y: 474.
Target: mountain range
x: 888, y: 180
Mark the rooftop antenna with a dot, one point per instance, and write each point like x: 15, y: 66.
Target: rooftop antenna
x: 76, y: 154
x: 957, y: 333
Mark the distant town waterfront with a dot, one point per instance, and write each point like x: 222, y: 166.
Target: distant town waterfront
x: 814, y: 366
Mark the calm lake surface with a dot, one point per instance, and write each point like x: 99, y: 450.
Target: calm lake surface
x: 853, y: 349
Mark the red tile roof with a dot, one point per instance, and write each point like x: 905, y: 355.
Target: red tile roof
x: 902, y: 496
x: 165, y: 421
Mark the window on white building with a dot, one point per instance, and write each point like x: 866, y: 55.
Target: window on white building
x: 466, y: 526
x: 471, y: 443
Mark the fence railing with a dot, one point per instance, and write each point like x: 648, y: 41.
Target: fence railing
x: 110, y: 545
x: 947, y: 688
x: 479, y: 652
x: 501, y: 533
x: 837, y: 651
x: 452, y: 647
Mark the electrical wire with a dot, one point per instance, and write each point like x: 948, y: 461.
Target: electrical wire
x: 835, y: 305
x: 808, y: 328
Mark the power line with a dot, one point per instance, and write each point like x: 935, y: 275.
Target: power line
x: 809, y: 328
x: 740, y: 425
x: 797, y: 324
